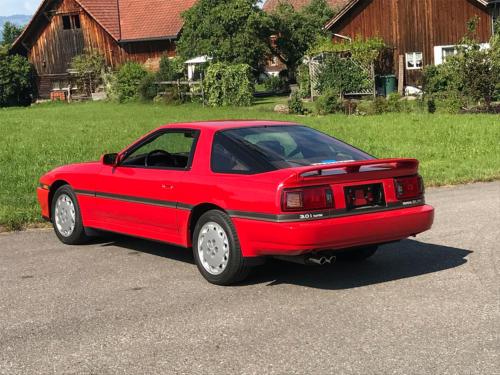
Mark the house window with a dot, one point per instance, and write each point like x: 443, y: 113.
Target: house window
x: 448, y: 51
x: 414, y: 60
x: 274, y: 61
x: 71, y: 22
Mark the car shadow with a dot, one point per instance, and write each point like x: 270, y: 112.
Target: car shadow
x: 139, y: 245
x: 400, y: 260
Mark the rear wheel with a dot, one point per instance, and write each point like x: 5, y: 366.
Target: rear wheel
x: 66, y: 217
x: 217, y: 251
x: 359, y: 254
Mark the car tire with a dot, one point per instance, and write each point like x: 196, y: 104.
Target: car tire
x: 66, y: 217
x: 217, y: 251
x: 359, y: 254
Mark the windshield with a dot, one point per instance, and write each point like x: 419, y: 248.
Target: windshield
x: 267, y: 148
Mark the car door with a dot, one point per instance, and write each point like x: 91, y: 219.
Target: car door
x: 140, y: 194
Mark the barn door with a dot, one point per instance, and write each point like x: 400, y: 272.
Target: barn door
x: 71, y: 41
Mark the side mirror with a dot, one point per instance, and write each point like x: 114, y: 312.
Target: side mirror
x: 109, y: 159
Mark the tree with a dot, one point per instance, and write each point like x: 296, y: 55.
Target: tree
x: 233, y: 31
x: 169, y: 68
x: 89, y: 67
x: 10, y: 32
x: 296, y: 30
x: 17, y: 80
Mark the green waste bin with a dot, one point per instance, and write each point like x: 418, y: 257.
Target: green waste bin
x: 390, y: 84
x: 385, y: 85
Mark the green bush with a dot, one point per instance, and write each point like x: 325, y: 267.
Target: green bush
x: 377, y: 106
x: 303, y: 81
x: 380, y: 105
x: 89, y: 68
x: 394, y: 103
x: 453, y: 103
x: 295, y: 104
x: 169, y: 69
x: 147, y: 87
x: 473, y: 73
x: 17, y: 80
x: 127, y: 79
x: 229, y: 85
x: 343, y: 75
x: 276, y: 84
x: 328, y: 102
x: 365, y: 108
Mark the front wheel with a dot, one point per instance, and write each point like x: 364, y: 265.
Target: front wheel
x: 66, y: 217
x: 217, y: 251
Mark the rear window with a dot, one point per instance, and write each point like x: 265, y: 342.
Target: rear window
x: 267, y: 148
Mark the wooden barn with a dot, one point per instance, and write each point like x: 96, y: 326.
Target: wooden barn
x: 422, y: 32
x: 120, y: 30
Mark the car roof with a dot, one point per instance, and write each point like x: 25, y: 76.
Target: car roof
x: 225, y: 124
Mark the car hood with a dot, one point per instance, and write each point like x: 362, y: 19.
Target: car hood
x: 74, y: 174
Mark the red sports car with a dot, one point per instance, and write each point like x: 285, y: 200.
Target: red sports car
x: 238, y: 192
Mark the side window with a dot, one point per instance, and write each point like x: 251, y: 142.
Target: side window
x: 170, y: 149
x: 231, y: 157
x: 224, y: 161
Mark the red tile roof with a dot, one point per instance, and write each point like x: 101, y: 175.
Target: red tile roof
x: 149, y: 19
x: 297, y: 4
x: 138, y: 19
x: 105, y: 12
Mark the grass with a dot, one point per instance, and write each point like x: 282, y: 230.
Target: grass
x: 452, y: 149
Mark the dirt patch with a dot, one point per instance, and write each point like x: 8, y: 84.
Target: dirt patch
x: 28, y: 226
x: 493, y: 109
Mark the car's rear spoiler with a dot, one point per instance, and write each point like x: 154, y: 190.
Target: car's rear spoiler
x: 401, y: 167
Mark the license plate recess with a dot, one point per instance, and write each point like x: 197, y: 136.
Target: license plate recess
x: 364, y: 196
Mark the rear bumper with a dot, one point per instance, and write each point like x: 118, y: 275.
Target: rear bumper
x: 259, y: 238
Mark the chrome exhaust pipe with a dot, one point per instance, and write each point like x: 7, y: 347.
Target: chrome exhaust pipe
x: 319, y: 261
x: 308, y: 259
x: 331, y: 259
x: 323, y: 260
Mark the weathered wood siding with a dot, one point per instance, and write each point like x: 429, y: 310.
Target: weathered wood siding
x: 415, y: 25
x: 51, y: 48
x: 148, y: 52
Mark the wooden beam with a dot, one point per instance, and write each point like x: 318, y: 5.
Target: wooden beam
x: 401, y: 75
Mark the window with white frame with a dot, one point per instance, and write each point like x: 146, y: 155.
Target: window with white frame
x: 448, y: 51
x: 442, y: 53
x: 414, y: 60
x: 274, y: 61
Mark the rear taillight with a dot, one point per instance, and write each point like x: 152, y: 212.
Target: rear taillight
x: 409, y: 187
x: 309, y: 198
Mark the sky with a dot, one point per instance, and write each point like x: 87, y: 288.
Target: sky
x: 11, y: 7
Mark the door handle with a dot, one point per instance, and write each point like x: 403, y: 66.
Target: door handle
x: 167, y: 186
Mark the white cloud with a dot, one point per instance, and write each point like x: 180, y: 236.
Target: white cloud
x: 10, y: 7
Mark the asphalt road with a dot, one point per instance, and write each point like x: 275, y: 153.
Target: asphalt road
x: 429, y: 305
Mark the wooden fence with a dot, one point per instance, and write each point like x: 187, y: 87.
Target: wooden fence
x: 191, y: 88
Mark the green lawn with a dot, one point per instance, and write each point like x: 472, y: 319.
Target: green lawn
x: 453, y: 149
